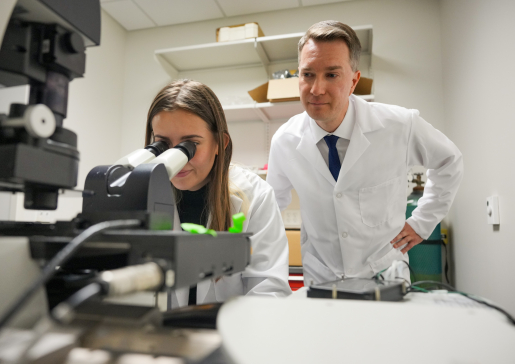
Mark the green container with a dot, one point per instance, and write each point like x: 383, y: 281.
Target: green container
x: 425, y: 258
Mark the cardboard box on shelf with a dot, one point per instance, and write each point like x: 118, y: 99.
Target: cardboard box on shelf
x: 259, y: 93
x: 239, y: 32
x: 364, y: 86
x: 284, y: 89
x: 287, y: 89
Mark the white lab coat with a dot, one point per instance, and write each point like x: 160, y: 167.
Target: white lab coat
x: 347, y: 225
x: 267, y: 274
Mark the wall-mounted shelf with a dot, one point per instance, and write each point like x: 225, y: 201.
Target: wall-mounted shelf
x: 254, y: 52
x: 244, y: 53
x: 265, y: 111
x: 268, y: 111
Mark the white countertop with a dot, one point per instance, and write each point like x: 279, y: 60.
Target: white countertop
x: 424, y: 328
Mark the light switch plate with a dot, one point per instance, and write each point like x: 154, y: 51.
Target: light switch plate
x: 492, y: 210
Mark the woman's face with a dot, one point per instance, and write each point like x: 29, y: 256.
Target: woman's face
x: 177, y: 126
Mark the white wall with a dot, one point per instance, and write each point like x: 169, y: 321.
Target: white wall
x: 95, y: 104
x: 95, y: 107
x: 407, y: 63
x: 94, y: 113
x: 478, y: 55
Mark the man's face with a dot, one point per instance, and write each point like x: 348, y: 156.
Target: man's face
x: 326, y: 81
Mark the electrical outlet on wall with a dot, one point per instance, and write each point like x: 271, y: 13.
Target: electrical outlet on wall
x: 291, y: 219
x: 492, y: 210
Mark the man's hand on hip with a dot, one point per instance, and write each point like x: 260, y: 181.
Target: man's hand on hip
x: 407, y: 237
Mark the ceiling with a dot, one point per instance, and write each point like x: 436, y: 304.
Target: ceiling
x: 141, y: 14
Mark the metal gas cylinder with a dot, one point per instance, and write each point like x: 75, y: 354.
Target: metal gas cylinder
x: 426, y: 257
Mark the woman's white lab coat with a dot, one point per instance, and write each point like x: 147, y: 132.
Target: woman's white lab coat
x: 267, y: 274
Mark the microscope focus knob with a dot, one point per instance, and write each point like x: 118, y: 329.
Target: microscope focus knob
x: 38, y: 120
x: 73, y: 43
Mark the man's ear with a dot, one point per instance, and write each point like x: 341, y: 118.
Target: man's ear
x: 355, y: 80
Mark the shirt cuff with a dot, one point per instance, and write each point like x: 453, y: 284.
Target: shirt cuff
x: 419, y: 229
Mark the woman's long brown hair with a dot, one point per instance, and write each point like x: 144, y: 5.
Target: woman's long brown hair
x: 198, y: 99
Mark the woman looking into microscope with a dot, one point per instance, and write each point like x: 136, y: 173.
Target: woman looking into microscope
x: 209, y: 191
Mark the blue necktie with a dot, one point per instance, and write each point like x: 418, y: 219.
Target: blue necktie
x: 334, y: 160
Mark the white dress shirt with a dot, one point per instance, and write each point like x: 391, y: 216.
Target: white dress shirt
x: 344, y: 132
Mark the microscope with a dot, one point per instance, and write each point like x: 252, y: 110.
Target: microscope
x: 124, y: 240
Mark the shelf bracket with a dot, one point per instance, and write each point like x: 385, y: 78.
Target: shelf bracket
x: 171, y: 70
x: 261, y: 114
x: 261, y: 53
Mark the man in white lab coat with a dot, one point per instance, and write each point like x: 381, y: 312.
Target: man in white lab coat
x: 348, y: 161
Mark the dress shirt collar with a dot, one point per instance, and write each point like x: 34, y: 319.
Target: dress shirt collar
x: 343, y: 131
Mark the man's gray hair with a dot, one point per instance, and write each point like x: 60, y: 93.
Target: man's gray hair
x: 331, y: 30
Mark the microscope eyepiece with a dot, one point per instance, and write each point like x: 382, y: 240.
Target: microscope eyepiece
x: 188, y: 148
x: 157, y: 148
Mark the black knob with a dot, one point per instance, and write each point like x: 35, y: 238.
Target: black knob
x: 188, y: 147
x: 17, y: 110
x: 73, y: 43
x: 157, y: 148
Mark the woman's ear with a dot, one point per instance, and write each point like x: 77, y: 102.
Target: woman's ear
x: 226, y: 140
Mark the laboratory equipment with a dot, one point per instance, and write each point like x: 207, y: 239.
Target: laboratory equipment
x: 44, y: 46
x: 359, y: 289
x: 124, y: 231
x: 425, y: 258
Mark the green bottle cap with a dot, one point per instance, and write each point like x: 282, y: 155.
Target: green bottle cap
x: 237, y: 221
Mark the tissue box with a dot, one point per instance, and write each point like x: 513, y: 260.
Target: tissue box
x: 239, y: 32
